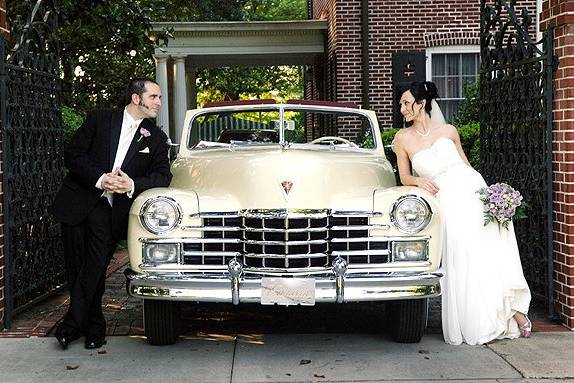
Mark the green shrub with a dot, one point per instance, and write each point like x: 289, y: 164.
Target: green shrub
x: 388, y: 135
x: 470, y: 108
x: 470, y: 142
x: 72, y: 121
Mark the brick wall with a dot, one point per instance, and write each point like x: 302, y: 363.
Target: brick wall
x: 4, y: 30
x: 394, y: 25
x: 559, y: 14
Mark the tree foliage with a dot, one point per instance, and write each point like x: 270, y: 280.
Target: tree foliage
x: 104, y: 43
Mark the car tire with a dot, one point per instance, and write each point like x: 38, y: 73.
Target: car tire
x: 160, y: 322
x: 408, y: 320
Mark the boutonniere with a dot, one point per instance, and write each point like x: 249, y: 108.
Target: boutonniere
x: 143, y: 133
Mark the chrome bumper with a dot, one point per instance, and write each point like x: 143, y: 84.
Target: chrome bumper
x: 235, y: 288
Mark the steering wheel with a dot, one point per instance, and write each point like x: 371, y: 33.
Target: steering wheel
x: 333, y: 138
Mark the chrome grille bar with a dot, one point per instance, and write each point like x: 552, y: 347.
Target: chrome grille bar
x: 288, y: 256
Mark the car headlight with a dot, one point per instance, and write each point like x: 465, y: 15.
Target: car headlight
x: 409, y: 251
x: 158, y: 253
x: 160, y: 215
x: 411, y: 214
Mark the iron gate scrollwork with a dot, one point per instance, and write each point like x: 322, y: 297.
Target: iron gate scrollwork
x: 516, y: 128
x: 32, y: 138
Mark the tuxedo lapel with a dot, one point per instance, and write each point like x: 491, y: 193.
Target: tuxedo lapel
x: 115, y: 130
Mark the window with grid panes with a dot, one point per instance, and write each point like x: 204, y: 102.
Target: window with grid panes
x: 449, y: 72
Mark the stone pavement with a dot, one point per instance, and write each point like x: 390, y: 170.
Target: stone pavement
x: 255, y: 357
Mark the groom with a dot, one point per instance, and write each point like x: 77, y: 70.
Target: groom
x: 114, y: 156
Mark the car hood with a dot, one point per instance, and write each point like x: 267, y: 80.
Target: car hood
x: 263, y: 178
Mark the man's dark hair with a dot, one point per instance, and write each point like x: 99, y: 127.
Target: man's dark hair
x: 137, y: 86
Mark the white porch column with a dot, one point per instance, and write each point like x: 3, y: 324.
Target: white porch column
x: 179, y: 95
x: 162, y: 119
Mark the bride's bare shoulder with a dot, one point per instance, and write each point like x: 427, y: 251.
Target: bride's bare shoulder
x: 449, y: 129
x: 401, y: 138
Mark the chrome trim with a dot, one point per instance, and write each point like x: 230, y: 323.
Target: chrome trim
x: 287, y: 231
x: 358, y: 239
x: 235, y: 270
x: 364, y: 227
x: 339, y: 269
x: 354, y: 288
x: 267, y: 213
x: 211, y: 228
x: 190, y: 240
x: 170, y: 201
x: 284, y: 213
x: 421, y: 200
x: 286, y: 256
x: 286, y: 243
x: 229, y: 214
x: 359, y: 252
x: 383, y: 239
x: 351, y: 214
x: 212, y: 253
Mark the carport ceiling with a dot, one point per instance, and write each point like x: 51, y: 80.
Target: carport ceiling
x: 216, y: 44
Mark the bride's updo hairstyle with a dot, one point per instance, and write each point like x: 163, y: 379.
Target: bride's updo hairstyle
x: 424, y: 90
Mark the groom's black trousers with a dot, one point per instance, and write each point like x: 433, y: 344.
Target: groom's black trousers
x: 88, y: 249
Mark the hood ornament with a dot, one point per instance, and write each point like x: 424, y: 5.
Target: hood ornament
x: 286, y: 188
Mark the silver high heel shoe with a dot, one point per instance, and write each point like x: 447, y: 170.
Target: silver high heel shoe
x: 526, y: 328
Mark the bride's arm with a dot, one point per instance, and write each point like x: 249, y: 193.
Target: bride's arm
x: 404, y: 165
x: 456, y: 138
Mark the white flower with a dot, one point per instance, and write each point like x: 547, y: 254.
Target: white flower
x: 79, y: 72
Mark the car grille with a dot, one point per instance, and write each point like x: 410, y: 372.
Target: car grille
x: 280, y: 240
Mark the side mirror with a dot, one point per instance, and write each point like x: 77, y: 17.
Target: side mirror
x: 173, y: 150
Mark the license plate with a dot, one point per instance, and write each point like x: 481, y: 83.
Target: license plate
x: 288, y: 291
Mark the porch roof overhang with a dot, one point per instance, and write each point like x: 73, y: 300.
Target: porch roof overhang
x: 216, y: 44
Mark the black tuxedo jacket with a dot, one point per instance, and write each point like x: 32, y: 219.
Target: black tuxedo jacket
x: 91, y: 153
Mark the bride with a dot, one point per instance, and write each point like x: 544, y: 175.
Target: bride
x: 485, y: 295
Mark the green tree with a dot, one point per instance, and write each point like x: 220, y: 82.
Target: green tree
x: 234, y: 83
x: 105, y: 42
x: 276, y: 10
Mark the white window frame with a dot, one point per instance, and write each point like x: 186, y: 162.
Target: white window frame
x: 429, y: 52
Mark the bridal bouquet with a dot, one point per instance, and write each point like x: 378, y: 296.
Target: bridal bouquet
x: 502, y: 203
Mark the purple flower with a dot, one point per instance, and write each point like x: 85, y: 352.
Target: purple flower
x: 143, y: 133
x: 501, y: 203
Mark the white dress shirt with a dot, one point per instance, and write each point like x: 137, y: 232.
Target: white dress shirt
x: 129, y: 128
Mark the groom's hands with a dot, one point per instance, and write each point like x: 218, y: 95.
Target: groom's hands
x: 427, y: 184
x: 117, y: 182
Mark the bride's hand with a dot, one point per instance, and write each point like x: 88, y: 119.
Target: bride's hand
x: 427, y: 184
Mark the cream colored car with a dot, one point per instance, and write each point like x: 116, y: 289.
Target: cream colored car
x: 284, y: 204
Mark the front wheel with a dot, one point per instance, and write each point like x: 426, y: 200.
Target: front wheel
x: 408, y: 319
x: 160, y: 322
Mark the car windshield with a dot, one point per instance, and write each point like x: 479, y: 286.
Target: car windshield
x: 337, y: 130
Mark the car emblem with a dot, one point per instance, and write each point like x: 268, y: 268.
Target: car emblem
x: 286, y: 188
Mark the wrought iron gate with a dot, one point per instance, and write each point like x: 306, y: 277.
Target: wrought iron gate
x: 516, y: 129
x: 30, y: 91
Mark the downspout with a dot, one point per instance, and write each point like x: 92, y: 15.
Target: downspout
x: 365, y: 45
x: 550, y: 68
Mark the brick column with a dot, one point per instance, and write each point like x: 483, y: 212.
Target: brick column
x: 4, y: 31
x: 559, y: 14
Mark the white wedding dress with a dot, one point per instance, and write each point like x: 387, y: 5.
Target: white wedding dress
x: 483, y: 284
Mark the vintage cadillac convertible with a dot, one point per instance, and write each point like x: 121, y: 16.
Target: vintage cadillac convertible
x: 260, y: 211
